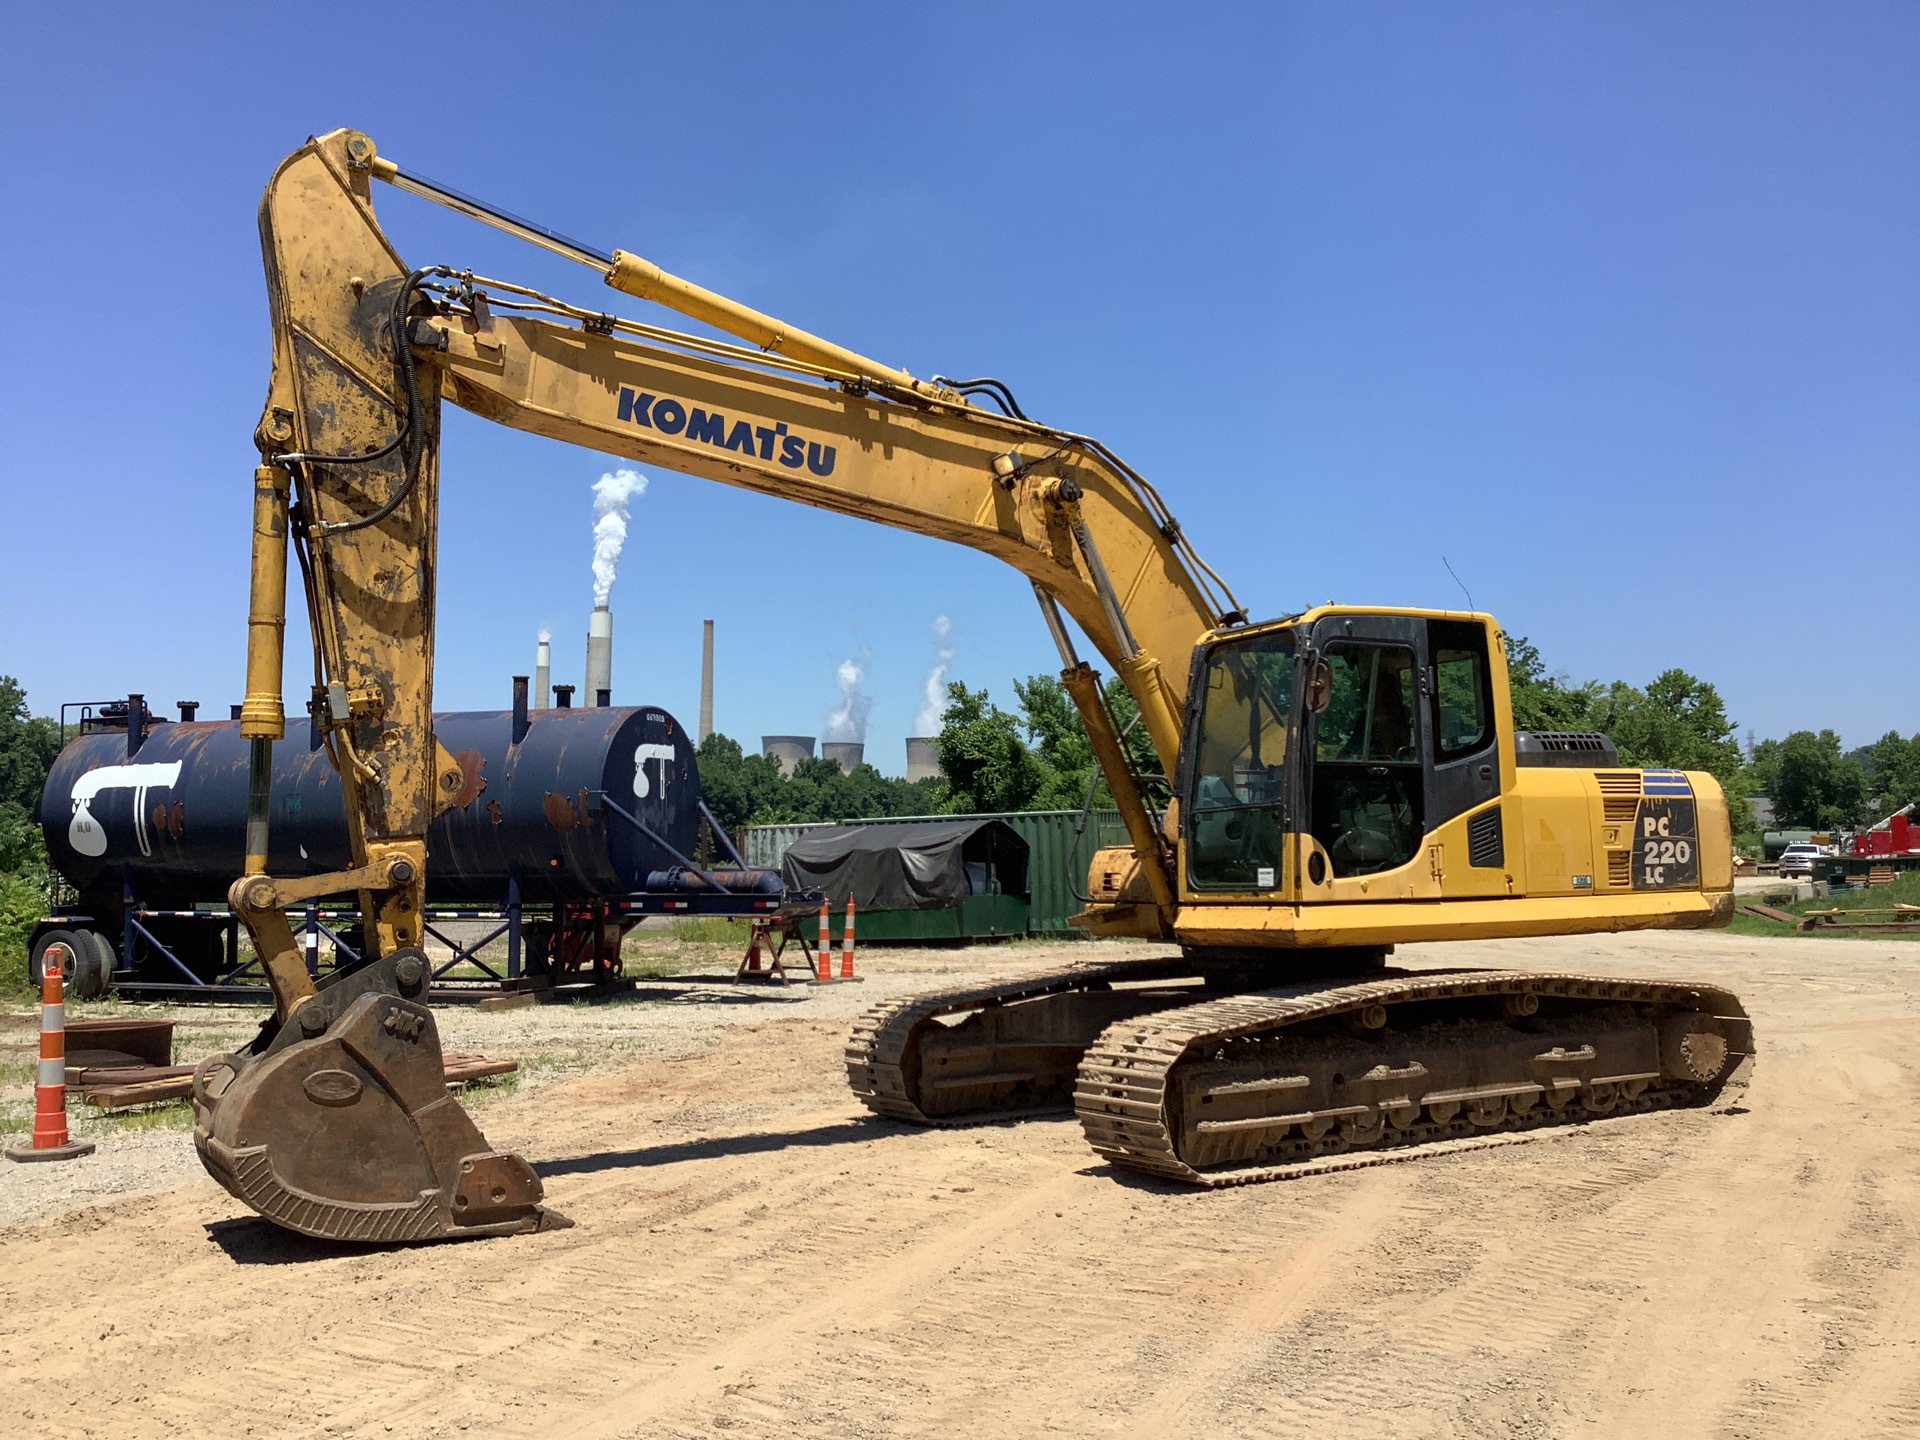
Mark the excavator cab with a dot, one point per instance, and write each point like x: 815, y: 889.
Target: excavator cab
x: 1358, y: 733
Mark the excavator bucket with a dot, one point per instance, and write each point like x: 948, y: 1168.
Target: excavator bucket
x: 342, y: 1128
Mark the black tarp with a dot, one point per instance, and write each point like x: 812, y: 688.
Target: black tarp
x: 913, y: 865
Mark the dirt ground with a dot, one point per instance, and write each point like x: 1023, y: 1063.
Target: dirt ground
x: 753, y: 1257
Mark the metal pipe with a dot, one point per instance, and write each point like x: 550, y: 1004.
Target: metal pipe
x: 259, y: 787
x: 528, y: 230
x: 726, y: 840
x: 520, y: 721
x: 1109, y: 597
x: 660, y: 840
x: 1056, y: 627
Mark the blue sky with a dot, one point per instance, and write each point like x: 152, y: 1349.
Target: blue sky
x: 1615, y: 307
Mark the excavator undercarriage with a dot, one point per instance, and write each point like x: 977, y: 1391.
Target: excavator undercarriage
x: 1192, y: 1077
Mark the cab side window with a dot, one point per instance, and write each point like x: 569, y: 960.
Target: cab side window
x: 1463, y: 692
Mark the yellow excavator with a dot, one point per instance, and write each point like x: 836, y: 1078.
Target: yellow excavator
x: 1330, y: 784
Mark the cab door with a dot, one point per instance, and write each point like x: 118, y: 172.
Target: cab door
x: 1467, y: 821
x: 1366, y: 784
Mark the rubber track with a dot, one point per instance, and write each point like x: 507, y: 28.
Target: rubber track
x: 1120, y: 1093
x: 880, y: 1037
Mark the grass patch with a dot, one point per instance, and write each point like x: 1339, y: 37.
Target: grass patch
x: 709, y: 930
x: 1905, y: 890
x: 166, y: 1115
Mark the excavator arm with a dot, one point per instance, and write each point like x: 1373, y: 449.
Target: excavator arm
x: 365, y: 350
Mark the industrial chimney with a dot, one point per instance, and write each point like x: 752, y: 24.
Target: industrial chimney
x: 923, y: 757
x: 706, y: 680
x: 542, y: 674
x: 599, y: 656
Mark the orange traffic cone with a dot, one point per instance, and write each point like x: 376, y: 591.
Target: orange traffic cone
x: 823, y: 968
x: 846, y: 945
x: 50, y: 1139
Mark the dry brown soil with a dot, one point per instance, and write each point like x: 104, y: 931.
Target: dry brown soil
x: 753, y: 1257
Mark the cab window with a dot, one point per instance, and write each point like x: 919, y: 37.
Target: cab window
x: 1463, y: 695
x: 1234, y: 814
x: 1368, y: 793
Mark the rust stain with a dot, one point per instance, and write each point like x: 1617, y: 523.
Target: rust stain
x: 472, y: 763
x: 559, y: 812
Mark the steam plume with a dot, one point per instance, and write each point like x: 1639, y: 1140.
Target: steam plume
x: 613, y: 495
x: 848, y: 721
x: 933, y: 702
x: 545, y: 634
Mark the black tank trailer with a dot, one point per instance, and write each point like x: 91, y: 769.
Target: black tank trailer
x: 572, y: 825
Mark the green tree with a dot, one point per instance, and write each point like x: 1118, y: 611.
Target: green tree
x: 984, y: 756
x: 1895, y: 771
x: 28, y: 744
x: 819, y: 790
x: 1818, y: 788
x: 1059, y: 742
x: 1763, y: 768
x: 1542, y: 701
x: 739, y: 789
x: 742, y: 789
x: 1040, y: 759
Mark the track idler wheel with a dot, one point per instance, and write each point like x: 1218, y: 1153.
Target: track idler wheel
x: 350, y: 1134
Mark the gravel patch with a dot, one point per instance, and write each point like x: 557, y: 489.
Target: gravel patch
x: 687, y: 1011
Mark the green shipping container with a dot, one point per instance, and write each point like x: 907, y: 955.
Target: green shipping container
x: 1057, y: 861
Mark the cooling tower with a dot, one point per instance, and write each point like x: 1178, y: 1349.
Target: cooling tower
x: 789, y: 750
x: 846, y: 754
x: 923, y: 757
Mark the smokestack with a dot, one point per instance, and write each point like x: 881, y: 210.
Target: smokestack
x: 519, y: 708
x: 542, y: 672
x: 188, y: 708
x: 706, y: 679
x: 789, y: 750
x: 847, y: 754
x: 923, y: 757
x: 563, y: 697
x: 599, y: 655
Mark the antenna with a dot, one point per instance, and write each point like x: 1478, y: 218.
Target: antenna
x: 1458, y: 581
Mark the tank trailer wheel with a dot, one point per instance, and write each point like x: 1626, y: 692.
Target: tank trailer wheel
x: 82, y: 958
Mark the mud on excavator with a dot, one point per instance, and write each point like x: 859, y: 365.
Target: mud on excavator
x: 1330, y: 783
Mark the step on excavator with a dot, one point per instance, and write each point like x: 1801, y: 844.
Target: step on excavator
x: 1328, y: 784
